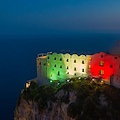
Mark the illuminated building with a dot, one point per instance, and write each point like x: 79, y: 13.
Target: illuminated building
x: 53, y: 66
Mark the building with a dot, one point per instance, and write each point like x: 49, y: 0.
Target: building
x: 54, y: 66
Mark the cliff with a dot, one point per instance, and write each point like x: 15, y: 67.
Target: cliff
x: 70, y: 101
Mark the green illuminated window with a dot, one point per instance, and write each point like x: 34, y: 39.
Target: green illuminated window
x: 55, y: 66
x: 58, y: 73
x: 48, y: 57
x: 60, y: 59
x: 60, y: 66
x: 55, y: 58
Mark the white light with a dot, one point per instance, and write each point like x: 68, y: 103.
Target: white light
x: 102, y: 81
x: 68, y: 80
x: 93, y: 79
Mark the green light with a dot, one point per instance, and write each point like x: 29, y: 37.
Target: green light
x: 58, y: 83
x: 51, y: 81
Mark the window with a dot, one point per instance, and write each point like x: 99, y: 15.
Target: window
x: 44, y: 64
x: 67, y: 60
x: 58, y: 73
x: 55, y: 66
x: 48, y: 57
x: 101, y: 72
x: 60, y: 59
x: 74, y: 68
x: 82, y: 62
x: 101, y: 63
x: 89, y: 58
x: 82, y: 70
x: 67, y: 72
x: 101, y: 56
x: 74, y: 61
x: 75, y: 74
x: 51, y: 75
x: 55, y: 58
x: 89, y: 67
x: 111, y: 66
x: 48, y: 64
x: 67, y: 67
x: 39, y: 63
x: 60, y: 66
x: 115, y: 57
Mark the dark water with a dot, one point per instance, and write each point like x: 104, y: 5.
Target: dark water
x: 18, y: 60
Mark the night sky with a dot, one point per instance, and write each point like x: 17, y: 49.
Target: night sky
x: 30, y: 27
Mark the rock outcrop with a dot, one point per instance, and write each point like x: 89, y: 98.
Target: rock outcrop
x: 28, y: 110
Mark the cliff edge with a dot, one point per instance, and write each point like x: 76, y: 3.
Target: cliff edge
x: 76, y: 100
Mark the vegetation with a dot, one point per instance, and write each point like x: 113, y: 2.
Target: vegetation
x: 87, y: 105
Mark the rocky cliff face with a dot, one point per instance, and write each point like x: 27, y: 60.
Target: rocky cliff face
x: 28, y: 110
x: 82, y: 100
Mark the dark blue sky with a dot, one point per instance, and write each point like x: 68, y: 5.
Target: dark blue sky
x: 44, y: 17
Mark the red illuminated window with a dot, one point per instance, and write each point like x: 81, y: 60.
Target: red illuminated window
x: 101, y: 72
x: 101, y: 56
x: 111, y: 66
x: 101, y: 63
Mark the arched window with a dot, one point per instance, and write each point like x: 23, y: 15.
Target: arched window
x: 101, y: 63
x: 101, y: 72
x: 67, y: 60
x: 58, y: 73
x: 74, y: 68
x: 74, y: 61
x: 48, y: 64
x: 60, y: 66
x: 67, y: 67
x: 60, y: 59
x: 55, y: 58
x: 89, y: 67
x: 83, y: 62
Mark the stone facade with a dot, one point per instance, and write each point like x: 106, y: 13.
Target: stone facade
x: 54, y: 66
